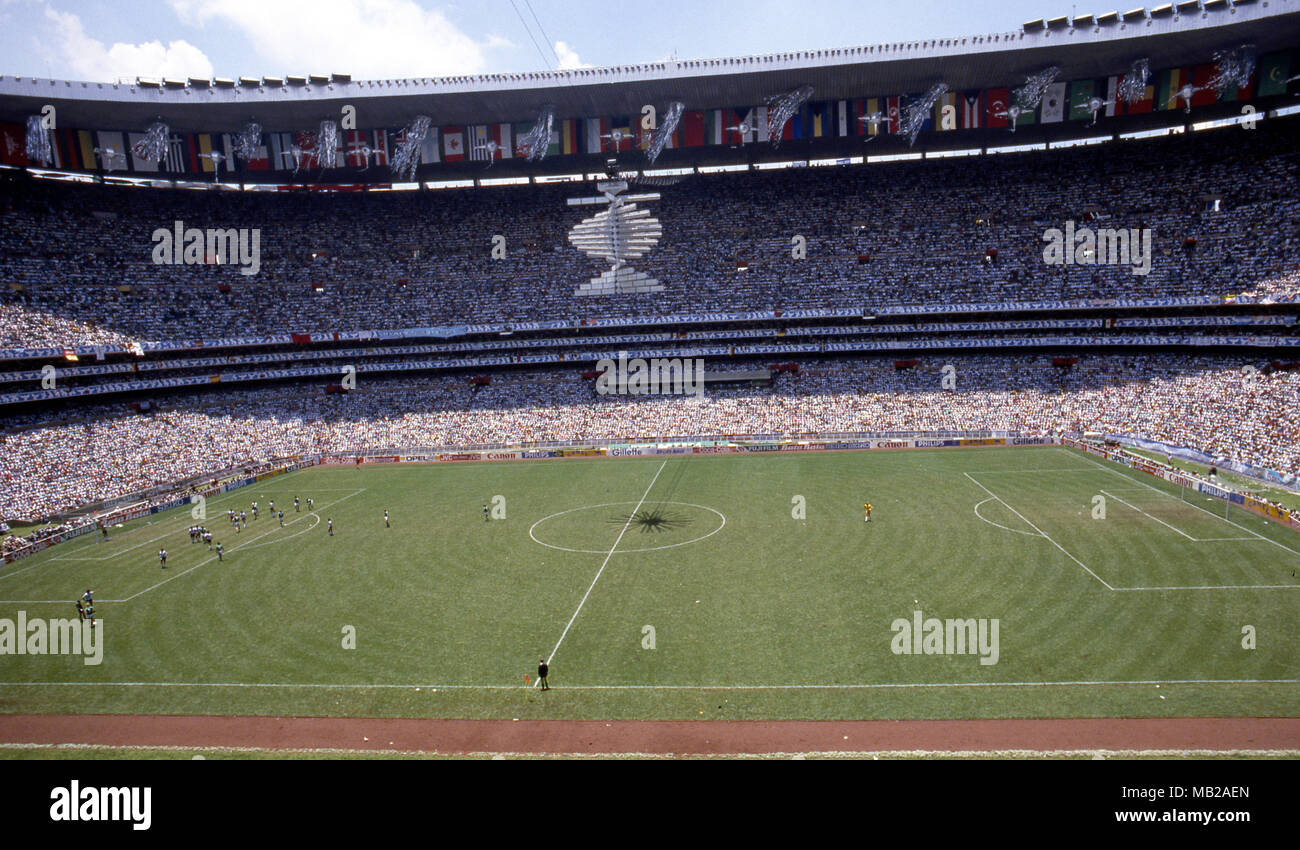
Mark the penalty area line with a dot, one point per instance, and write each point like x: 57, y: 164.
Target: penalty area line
x: 1041, y: 533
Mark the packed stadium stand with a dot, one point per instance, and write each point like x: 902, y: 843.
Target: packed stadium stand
x: 890, y: 234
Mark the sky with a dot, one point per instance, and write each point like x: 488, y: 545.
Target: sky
x: 104, y: 40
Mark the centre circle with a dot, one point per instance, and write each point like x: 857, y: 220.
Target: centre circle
x: 638, y: 523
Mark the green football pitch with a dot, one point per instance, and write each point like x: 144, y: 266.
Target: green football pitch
x: 685, y: 587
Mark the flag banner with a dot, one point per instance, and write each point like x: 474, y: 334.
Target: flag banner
x: 1080, y: 94
x: 1146, y: 104
x: 592, y: 130
x: 306, y: 142
x: 1170, y: 83
x: 692, y: 125
x: 115, y: 142
x: 996, y: 103
x: 843, y: 115
x: 176, y: 160
x: 735, y: 118
x: 355, y: 145
x: 429, y: 147
x: 478, y: 143
x: 210, y: 148
x: 1053, y: 105
x: 570, y: 143
x: 947, y: 99
x: 622, y: 125
x: 1205, y: 95
x: 894, y: 113
x: 503, y: 135
x: 1113, y: 104
x: 713, y: 127
x: 13, y: 144
x: 453, y: 144
x: 1274, y: 70
x: 972, y: 110
x: 379, y: 143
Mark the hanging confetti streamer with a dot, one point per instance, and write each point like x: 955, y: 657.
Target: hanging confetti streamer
x: 533, y: 144
x: 153, y: 146
x: 918, y: 111
x: 407, y: 156
x: 38, y: 141
x: 1031, y: 93
x: 659, y: 138
x: 1233, y: 68
x: 781, y: 108
x: 248, y: 141
x: 1133, y: 88
x: 327, y: 145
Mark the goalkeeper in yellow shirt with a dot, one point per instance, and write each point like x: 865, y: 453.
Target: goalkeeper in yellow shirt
x: 866, y: 510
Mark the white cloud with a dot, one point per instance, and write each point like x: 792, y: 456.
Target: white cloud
x: 369, y: 39
x: 569, y: 58
x: 78, y: 56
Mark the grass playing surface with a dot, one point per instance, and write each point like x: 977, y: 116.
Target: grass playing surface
x: 755, y: 613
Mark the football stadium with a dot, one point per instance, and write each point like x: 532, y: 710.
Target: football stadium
x: 931, y: 397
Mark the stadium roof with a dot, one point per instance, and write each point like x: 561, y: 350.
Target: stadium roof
x: 1083, y: 46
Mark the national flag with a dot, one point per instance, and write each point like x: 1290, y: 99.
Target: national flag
x: 713, y: 127
x: 306, y: 142
x: 379, y: 147
x: 1274, y: 70
x: 570, y: 141
x: 1113, y: 104
x: 355, y: 144
x: 1205, y: 95
x: 1028, y: 115
x: 116, y: 142
x: 622, y: 125
x: 208, y: 145
x: 13, y: 144
x: 592, y: 130
x: 478, y: 139
x: 972, y: 110
x: 760, y: 122
x: 453, y: 144
x: 1170, y: 82
x: 872, y: 107
x: 1080, y: 94
x: 261, y: 160
x: 843, y: 117
x: 947, y: 99
x: 996, y: 103
x: 821, y: 120
x: 1231, y: 92
x: 67, y: 149
x: 280, y: 145
x: 734, y: 118
x: 1053, y: 104
x: 1146, y: 104
x: 894, y: 112
x: 174, y: 160
x: 521, y: 129
x: 692, y: 125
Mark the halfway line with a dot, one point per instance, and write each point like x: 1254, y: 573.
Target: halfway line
x: 618, y: 540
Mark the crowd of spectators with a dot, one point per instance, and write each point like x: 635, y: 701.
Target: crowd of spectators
x: 1204, y: 403
x: 76, y: 260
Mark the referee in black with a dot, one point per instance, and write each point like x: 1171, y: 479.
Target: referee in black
x: 542, y: 669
